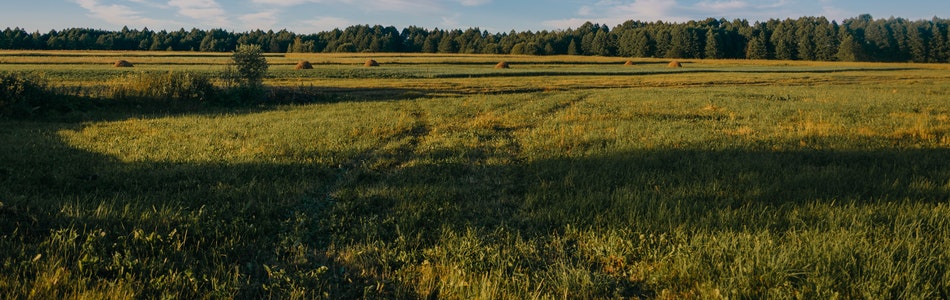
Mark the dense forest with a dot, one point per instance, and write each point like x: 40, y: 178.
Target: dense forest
x: 808, y: 38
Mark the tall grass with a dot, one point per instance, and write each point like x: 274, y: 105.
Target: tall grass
x: 780, y: 187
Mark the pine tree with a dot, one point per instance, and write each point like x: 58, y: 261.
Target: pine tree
x: 757, y: 48
x: 572, y: 48
x: 849, y: 50
x: 713, y: 42
x: 783, y: 38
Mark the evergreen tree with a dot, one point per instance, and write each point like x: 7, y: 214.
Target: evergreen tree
x: 713, y: 45
x: 448, y: 45
x: 826, y: 40
x: 757, y: 48
x: 849, y: 49
x: 572, y: 48
x: 783, y: 38
x: 429, y: 45
x: 805, y: 39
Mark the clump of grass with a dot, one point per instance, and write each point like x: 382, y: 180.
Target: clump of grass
x: 163, y: 87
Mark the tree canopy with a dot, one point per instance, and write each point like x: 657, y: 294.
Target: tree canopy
x: 862, y: 38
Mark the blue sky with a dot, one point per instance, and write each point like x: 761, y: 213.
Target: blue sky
x: 308, y: 16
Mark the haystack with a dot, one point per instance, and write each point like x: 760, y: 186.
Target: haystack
x: 675, y: 64
x: 122, y: 64
x: 303, y: 65
x: 502, y: 65
x: 371, y: 63
x: 628, y: 63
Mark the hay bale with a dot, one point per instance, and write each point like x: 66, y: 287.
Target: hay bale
x: 122, y: 64
x: 502, y: 65
x: 628, y: 63
x: 371, y: 63
x: 303, y: 65
x: 675, y: 64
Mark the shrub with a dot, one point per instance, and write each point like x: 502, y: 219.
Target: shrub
x: 250, y: 65
x: 22, y: 95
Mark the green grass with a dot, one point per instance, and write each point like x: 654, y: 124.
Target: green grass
x: 725, y: 179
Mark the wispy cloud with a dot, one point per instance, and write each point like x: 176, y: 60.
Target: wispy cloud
x: 408, y: 6
x: 324, y: 24
x: 260, y: 20
x: 451, y: 21
x: 284, y: 2
x: 206, y: 11
x: 614, y: 12
x: 474, y: 2
x: 721, y: 6
x: 118, y: 14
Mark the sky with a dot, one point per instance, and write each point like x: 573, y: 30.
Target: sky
x: 311, y: 16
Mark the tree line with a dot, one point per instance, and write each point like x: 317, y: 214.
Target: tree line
x: 862, y: 38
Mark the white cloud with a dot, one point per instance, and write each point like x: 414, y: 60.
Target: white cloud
x: 117, y: 14
x: 613, y: 12
x: 207, y: 11
x: 451, y: 21
x: 837, y: 14
x: 407, y: 6
x: 474, y: 2
x: 263, y: 20
x: 284, y: 2
x: 585, y: 11
x: 323, y: 24
x: 776, y: 4
x: 150, y: 3
x: 721, y: 6
x: 648, y: 10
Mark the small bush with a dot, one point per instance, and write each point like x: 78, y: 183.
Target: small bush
x: 22, y: 94
x: 250, y: 65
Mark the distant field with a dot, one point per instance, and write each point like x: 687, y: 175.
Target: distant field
x: 439, y: 176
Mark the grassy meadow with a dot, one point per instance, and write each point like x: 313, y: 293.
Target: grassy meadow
x: 439, y: 177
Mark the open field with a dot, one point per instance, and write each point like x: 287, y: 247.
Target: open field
x: 441, y: 177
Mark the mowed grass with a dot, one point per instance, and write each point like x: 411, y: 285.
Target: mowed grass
x: 575, y: 178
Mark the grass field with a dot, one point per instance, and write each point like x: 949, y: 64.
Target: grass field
x: 440, y: 177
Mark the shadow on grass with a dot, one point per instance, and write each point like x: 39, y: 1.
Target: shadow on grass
x: 179, y: 229
x: 276, y: 228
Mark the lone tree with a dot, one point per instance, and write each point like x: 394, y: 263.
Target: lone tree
x: 250, y: 64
